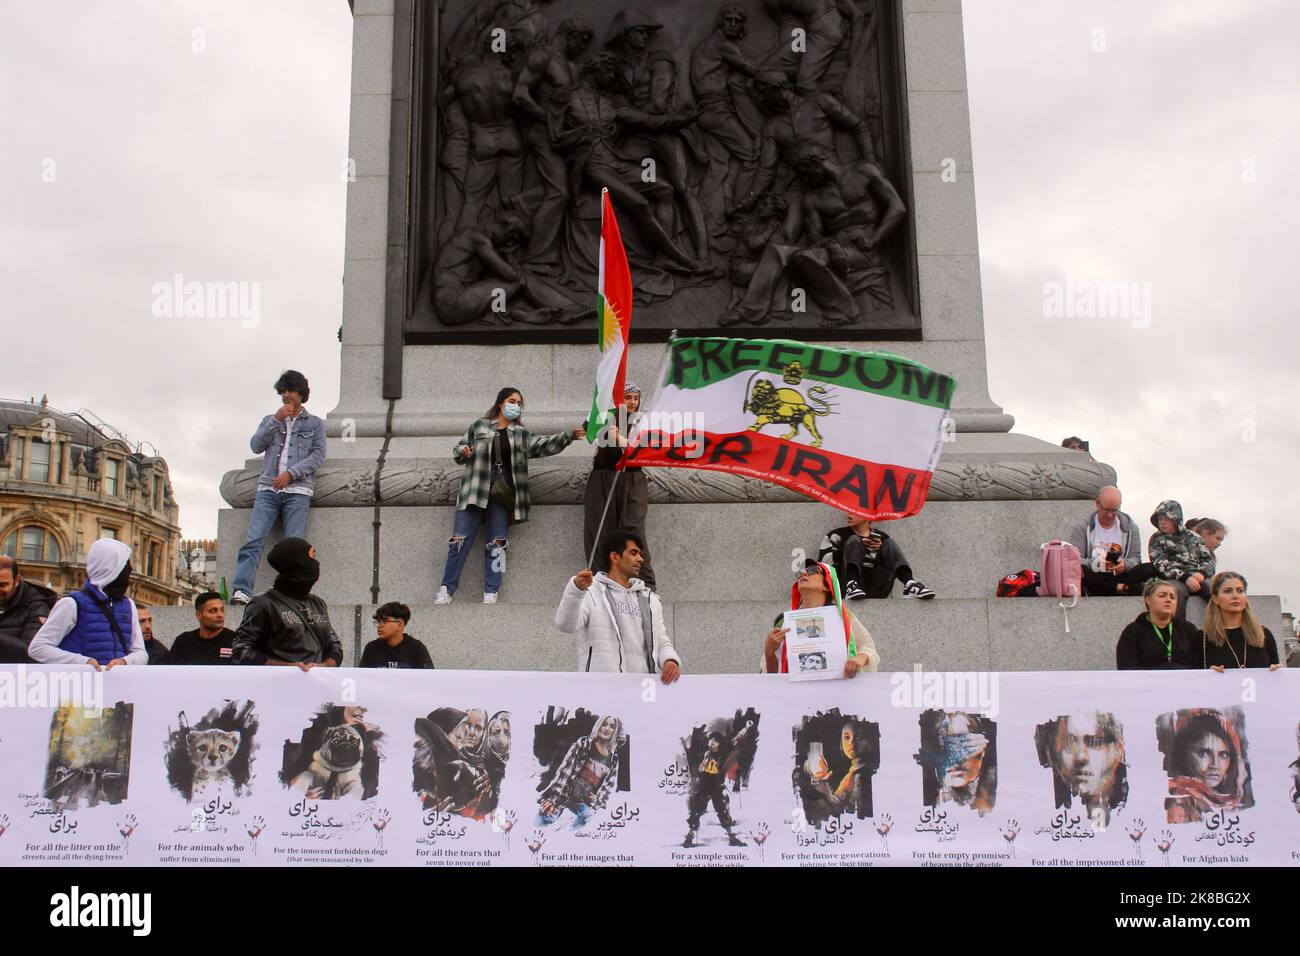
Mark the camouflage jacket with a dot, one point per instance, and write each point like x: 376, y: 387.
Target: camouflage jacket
x: 1179, y: 555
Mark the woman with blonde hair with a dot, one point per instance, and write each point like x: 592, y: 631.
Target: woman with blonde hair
x: 1234, y: 638
x: 1156, y: 639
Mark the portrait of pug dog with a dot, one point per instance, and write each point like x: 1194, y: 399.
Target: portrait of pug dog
x: 335, y: 769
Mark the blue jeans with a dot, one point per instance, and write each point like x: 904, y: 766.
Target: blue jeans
x: 581, y: 814
x: 464, y: 531
x: 268, y: 506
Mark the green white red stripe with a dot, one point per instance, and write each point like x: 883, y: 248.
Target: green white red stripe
x: 859, y: 430
x: 613, y: 319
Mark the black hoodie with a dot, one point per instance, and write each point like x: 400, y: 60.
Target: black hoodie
x: 21, y: 618
x: 1141, y: 649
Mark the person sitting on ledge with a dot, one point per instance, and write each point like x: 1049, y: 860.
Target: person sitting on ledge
x: 1212, y: 533
x: 1179, y: 555
x: 1233, y: 637
x: 1110, y: 548
x: 1155, y: 640
x: 813, y: 588
x: 394, y: 647
x: 868, y: 561
x: 287, y: 625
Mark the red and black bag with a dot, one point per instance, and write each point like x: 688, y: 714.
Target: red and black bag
x: 1020, y: 584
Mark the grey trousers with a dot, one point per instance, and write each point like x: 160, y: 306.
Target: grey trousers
x: 627, y: 510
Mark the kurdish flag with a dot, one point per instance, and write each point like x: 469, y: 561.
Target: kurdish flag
x: 613, y: 319
x: 861, y: 431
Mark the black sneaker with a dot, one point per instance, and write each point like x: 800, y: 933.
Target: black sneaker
x: 853, y: 591
x: 690, y: 839
x: 915, y: 589
x: 733, y: 840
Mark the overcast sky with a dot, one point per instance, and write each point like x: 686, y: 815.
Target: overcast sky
x: 1113, y: 142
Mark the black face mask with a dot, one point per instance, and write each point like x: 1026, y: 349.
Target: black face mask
x: 116, y: 589
x: 298, y: 571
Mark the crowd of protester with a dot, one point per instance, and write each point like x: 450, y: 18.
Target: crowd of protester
x: 612, y: 606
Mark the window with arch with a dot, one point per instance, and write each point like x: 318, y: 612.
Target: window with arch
x: 32, y: 543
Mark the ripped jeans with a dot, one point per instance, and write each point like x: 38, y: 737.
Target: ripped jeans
x: 464, y: 531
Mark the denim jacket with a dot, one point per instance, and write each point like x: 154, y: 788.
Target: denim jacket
x: 305, y: 453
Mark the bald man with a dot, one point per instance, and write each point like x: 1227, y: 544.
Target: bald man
x: 1111, y: 548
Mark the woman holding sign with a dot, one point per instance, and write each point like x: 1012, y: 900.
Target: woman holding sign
x: 814, y: 587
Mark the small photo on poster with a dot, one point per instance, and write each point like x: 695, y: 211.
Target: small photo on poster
x: 89, y: 760
x: 815, y: 647
x: 1085, y: 753
x: 337, y: 758
x: 460, y: 760
x: 835, y: 757
x: 959, y: 760
x: 213, y: 757
x: 1205, y: 758
x: 719, y: 757
x: 583, y: 758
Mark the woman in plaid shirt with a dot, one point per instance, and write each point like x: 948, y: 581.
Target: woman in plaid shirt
x: 495, y: 451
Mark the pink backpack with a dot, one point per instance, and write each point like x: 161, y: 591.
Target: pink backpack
x: 1061, y: 575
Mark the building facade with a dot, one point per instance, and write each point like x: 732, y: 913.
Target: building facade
x: 67, y: 480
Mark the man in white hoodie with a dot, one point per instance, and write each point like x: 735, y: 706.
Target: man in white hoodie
x: 618, y: 620
x: 98, y: 624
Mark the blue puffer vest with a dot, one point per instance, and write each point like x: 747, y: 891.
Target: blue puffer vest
x: 92, y: 635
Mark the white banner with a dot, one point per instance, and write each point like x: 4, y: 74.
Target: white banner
x: 272, y: 766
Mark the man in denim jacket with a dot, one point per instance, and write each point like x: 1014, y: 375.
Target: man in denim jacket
x: 293, y: 441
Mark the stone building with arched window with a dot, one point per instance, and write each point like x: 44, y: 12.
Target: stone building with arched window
x: 67, y: 480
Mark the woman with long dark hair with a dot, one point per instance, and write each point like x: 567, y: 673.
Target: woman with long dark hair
x: 1234, y: 638
x: 1207, y: 767
x: 495, y: 451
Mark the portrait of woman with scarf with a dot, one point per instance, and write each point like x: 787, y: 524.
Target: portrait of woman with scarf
x: 287, y: 625
x: 1206, y: 762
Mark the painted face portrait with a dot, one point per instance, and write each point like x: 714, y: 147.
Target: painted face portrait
x: 498, y: 735
x: 848, y: 741
x: 1087, y: 754
x: 1206, y: 760
x: 475, y: 724
x: 1210, y: 759
x: 963, y: 753
x: 607, y: 730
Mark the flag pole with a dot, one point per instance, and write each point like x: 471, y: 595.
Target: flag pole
x: 659, y: 381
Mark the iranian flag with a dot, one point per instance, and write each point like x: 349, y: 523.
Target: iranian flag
x: 861, y: 431
x: 613, y: 319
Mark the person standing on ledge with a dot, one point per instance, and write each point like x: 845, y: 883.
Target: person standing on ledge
x: 394, y: 648
x: 494, y: 489
x: 631, y: 493
x: 287, y: 625
x: 209, y: 643
x: 293, y: 443
x: 618, y: 620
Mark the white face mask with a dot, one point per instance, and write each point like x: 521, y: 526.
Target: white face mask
x: 511, y: 411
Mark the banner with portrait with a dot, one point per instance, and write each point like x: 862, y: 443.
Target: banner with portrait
x: 176, y: 766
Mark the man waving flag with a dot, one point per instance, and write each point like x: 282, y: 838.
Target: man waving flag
x: 861, y: 431
x: 613, y: 319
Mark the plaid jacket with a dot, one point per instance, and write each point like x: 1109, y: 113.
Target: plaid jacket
x: 558, y: 791
x: 476, y: 485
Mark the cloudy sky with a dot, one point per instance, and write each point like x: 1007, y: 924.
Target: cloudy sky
x: 1113, y: 142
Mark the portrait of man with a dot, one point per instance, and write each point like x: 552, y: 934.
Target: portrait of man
x: 1085, y: 753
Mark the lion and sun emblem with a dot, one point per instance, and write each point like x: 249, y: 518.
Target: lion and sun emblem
x: 787, y: 406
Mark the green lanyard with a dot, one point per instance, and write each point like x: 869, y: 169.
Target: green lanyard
x: 1167, y: 642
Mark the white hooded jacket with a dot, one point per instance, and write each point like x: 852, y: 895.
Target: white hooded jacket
x: 104, y: 562
x: 601, y: 647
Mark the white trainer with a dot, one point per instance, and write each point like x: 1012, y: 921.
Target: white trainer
x: 490, y: 598
x: 444, y: 596
x: 240, y: 598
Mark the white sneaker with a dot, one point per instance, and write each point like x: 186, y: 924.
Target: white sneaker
x: 490, y: 598
x: 241, y: 598
x: 444, y: 596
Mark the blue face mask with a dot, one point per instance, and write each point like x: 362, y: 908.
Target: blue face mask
x: 511, y: 411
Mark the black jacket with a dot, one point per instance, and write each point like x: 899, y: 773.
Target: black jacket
x: 1139, y: 649
x: 21, y: 618
x: 283, y: 628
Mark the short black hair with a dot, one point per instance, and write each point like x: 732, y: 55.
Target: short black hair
x: 616, y: 541
x: 291, y: 381
x: 204, y: 598
x: 9, y: 564
x: 394, y: 609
